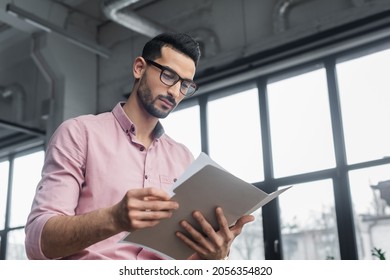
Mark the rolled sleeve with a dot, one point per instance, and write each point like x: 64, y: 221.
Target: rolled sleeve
x: 59, y: 188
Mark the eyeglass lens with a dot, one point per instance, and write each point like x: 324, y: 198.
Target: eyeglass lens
x: 170, y: 78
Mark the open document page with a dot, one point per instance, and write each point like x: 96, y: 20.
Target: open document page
x: 204, y: 186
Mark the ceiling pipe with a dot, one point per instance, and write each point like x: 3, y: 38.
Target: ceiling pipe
x: 280, y: 13
x: 208, y: 41
x: 114, y: 10
x: 17, y: 95
x: 49, y: 27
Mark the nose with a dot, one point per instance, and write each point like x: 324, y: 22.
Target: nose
x: 175, y: 90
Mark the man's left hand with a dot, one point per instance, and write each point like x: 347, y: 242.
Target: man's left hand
x: 211, y: 244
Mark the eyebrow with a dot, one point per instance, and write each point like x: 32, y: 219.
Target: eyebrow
x: 170, y: 69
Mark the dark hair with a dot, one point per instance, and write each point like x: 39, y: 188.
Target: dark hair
x: 178, y: 41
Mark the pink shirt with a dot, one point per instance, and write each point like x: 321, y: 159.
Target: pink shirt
x: 91, y: 161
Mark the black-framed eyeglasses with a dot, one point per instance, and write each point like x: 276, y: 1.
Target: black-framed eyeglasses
x: 169, y: 77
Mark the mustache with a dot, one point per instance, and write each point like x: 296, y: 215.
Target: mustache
x: 168, y: 98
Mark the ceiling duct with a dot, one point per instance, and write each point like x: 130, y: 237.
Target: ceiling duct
x: 115, y: 10
x: 280, y: 13
x: 49, y: 27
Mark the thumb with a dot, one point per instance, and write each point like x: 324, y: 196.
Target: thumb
x: 241, y: 222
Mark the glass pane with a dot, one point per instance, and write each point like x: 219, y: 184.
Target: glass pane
x: 4, y: 166
x: 249, y: 245
x: 184, y: 127
x: 27, y: 173
x: 234, y: 134
x: 370, y: 191
x: 365, y: 101
x: 308, y: 219
x: 300, y: 125
x: 15, y: 245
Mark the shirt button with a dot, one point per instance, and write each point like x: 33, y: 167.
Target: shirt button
x: 146, y: 177
x: 142, y: 148
x: 132, y: 128
x: 174, y: 180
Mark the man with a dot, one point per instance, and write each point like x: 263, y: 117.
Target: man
x: 108, y: 174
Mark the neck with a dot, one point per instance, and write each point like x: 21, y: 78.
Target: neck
x: 144, y: 122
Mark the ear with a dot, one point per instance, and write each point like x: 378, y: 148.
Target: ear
x: 139, y: 66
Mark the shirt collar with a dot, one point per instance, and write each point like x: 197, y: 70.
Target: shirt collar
x: 128, y: 126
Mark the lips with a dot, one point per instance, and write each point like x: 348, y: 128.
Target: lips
x: 166, y: 102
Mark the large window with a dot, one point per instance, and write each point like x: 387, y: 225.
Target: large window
x: 365, y: 98
x: 4, y: 170
x: 184, y: 127
x: 365, y: 101
x: 250, y: 245
x: 26, y: 175
x: 322, y: 127
x: 19, y: 175
x: 301, y: 133
x: 370, y: 188
x: 308, y: 217
x: 234, y: 134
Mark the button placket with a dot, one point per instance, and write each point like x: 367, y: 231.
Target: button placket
x: 148, y: 176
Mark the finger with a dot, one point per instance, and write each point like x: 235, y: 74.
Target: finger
x: 142, y: 219
x: 197, y: 237
x: 152, y: 205
x: 207, y: 229
x: 223, y: 223
x: 158, y: 205
x: 224, y: 237
x: 237, y: 228
x: 149, y: 215
x: 149, y: 192
x: 192, y: 244
x: 140, y: 224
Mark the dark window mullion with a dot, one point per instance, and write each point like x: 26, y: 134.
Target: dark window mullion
x: 4, y: 237
x: 270, y: 212
x: 343, y: 201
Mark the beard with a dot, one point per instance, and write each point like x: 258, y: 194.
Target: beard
x: 145, y: 97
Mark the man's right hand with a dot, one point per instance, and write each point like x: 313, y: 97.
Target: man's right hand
x: 142, y: 208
